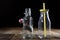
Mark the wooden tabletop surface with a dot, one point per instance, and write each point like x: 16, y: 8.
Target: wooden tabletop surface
x: 15, y: 33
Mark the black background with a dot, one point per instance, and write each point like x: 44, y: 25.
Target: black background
x: 12, y: 10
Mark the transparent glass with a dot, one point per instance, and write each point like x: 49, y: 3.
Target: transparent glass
x: 41, y: 24
x: 27, y: 24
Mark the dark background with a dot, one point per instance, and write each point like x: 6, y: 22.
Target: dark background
x: 12, y: 10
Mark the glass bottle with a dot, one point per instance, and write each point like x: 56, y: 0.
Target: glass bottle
x: 27, y: 24
x: 41, y: 25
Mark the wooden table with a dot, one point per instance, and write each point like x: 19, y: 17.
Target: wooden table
x: 16, y: 34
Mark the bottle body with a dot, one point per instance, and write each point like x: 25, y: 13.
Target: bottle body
x: 27, y: 25
x: 41, y: 23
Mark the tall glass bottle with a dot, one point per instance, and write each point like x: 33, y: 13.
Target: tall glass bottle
x: 27, y: 24
x: 44, y: 23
